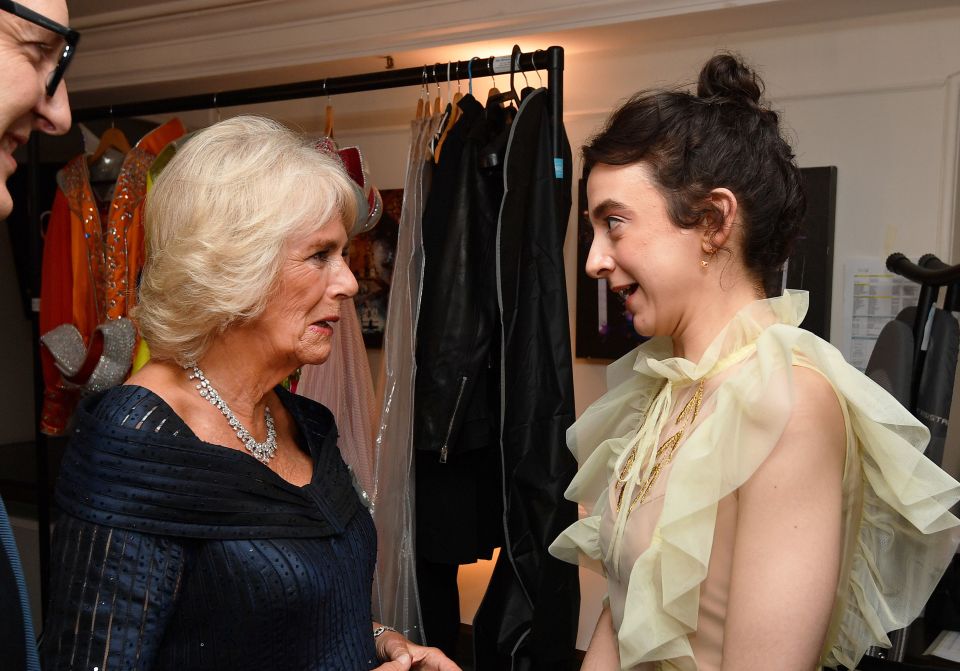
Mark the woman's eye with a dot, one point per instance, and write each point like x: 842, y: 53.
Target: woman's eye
x: 613, y: 223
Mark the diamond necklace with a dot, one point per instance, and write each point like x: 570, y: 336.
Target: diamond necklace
x: 262, y: 451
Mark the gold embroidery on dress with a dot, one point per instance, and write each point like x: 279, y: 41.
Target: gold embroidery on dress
x: 663, y: 456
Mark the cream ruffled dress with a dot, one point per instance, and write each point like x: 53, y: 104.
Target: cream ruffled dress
x: 668, y: 560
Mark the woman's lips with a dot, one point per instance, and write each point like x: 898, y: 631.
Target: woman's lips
x: 625, y: 291
x: 325, y: 324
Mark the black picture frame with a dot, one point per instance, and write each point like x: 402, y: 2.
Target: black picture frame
x: 811, y: 264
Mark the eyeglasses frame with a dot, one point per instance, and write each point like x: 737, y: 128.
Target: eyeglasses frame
x: 71, y: 38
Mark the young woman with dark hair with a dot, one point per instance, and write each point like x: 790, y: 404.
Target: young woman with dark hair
x: 754, y: 502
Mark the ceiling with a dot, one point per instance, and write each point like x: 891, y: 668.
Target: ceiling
x: 608, y: 38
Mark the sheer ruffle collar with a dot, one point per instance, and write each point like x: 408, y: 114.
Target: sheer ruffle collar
x: 732, y: 344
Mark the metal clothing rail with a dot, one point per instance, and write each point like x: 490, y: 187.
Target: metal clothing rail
x: 550, y: 59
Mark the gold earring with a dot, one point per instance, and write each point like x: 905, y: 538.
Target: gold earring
x: 710, y: 251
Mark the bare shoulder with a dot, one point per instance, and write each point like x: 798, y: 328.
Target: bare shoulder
x: 809, y: 455
x: 816, y: 409
x: 788, y: 546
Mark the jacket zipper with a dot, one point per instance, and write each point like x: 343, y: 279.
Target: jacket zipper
x: 456, y: 406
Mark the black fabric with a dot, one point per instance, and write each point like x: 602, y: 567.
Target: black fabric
x: 177, y: 554
x: 530, y: 612
x: 936, y: 381
x: 440, y: 605
x: 459, y: 507
x: 873, y: 664
x: 174, y: 484
x: 942, y: 611
x: 17, y: 647
x: 12, y: 638
x: 891, y: 361
x: 458, y: 476
x: 457, y: 319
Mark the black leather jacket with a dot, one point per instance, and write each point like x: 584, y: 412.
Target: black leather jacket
x: 458, y: 326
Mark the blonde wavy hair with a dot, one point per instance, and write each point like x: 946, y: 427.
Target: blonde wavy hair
x: 216, y: 224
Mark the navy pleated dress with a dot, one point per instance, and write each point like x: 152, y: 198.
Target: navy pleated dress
x: 173, y: 553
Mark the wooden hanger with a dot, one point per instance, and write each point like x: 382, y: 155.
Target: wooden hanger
x: 457, y: 97
x: 455, y: 102
x: 455, y: 113
x: 328, y: 114
x: 423, y: 87
x: 112, y: 138
x: 328, y: 121
x: 438, y: 103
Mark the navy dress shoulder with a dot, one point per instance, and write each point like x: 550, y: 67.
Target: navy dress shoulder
x: 173, y: 553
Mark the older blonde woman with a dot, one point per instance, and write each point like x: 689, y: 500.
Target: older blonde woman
x: 209, y: 521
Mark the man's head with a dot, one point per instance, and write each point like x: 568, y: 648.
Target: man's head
x: 35, y: 47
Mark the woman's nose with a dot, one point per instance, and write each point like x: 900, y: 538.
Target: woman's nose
x: 599, y: 262
x: 347, y: 282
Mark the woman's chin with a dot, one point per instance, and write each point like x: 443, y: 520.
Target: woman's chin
x: 314, y: 356
x: 643, y: 327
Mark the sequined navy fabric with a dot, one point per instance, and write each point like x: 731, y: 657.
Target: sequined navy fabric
x: 173, y: 553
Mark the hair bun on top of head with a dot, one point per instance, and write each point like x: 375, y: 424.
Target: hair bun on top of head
x: 726, y: 76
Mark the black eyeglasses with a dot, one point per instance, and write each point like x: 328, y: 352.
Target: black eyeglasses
x: 70, y: 37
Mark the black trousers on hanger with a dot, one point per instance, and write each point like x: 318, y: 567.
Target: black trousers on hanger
x: 439, y: 604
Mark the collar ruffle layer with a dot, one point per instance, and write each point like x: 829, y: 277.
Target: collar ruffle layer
x: 184, y: 487
x: 900, y: 534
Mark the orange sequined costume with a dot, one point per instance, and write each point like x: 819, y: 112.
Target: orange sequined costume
x: 91, y: 265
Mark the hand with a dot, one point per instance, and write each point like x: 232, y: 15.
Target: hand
x: 404, y: 654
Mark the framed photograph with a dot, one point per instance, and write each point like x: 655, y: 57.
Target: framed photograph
x: 604, y: 327
x: 372, y: 256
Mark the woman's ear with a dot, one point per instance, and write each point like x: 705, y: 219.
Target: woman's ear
x: 717, y: 233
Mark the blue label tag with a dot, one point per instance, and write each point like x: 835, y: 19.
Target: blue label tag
x: 558, y: 168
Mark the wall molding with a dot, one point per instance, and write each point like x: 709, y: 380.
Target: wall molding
x: 187, y: 39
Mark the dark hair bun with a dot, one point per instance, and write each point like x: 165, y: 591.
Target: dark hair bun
x: 722, y: 137
x: 726, y: 76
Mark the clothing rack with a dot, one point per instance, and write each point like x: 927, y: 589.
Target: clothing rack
x: 550, y: 59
